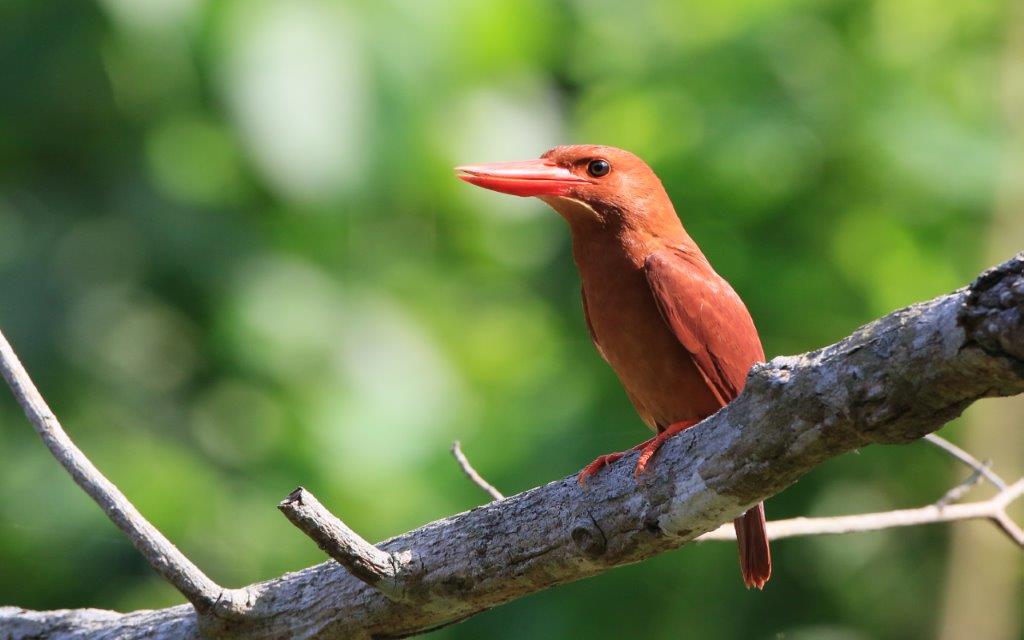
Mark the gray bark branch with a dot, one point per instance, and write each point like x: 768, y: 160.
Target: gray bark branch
x: 993, y: 509
x: 382, y: 570
x: 163, y: 556
x: 892, y: 381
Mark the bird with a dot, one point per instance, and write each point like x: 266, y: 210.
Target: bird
x: 677, y: 335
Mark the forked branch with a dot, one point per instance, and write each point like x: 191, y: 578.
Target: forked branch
x: 993, y: 509
x: 163, y: 556
x: 892, y: 381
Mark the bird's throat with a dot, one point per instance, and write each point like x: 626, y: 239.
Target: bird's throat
x: 576, y: 212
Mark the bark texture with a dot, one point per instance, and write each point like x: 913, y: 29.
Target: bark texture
x: 892, y: 381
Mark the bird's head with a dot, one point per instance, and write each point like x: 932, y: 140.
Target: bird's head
x: 584, y: 183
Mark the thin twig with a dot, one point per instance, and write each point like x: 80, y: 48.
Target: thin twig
x: 379, y: 569
x: 993, y: 509
x: 967, y: 459
x: 472, y: 474
x: 161, y: 554
x: 959, y: 491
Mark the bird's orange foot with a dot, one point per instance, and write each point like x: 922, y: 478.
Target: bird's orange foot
x: 600, y: 463
x: 651, y: 447
x: 603, y: 461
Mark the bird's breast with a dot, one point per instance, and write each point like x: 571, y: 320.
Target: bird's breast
x: 658, y: 373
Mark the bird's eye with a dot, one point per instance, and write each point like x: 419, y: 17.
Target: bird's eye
x: 598, y: 168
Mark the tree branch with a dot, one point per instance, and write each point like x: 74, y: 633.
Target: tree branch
x: 163, y: 556
x: 379, y: 569
x: 471, y: 473
x: 993, y: 509
x: 959, y: 491
x: 981, y: 468
x: 892, y: 381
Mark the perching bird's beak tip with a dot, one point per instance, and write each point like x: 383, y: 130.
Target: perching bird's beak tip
x: 524, y: 178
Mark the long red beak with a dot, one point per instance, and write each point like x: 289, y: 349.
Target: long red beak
x: 524, y: 178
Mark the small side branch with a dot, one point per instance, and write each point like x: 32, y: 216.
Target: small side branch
x: 379, y: 569
x: 993, y: 509
x: 161, y: 554
x: 957, y: 493
x: 472, y: 474
x: 981, y: 468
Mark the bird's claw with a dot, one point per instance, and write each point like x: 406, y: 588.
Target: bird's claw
x: 599, y: 463
x: 649, y: 448
x: 646, y: 448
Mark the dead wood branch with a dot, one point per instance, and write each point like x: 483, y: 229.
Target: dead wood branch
x: 892, y: 381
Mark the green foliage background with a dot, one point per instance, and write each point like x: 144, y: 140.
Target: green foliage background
x: 234, y: 256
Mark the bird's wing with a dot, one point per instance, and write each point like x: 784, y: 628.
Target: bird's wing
x: 707, y: 317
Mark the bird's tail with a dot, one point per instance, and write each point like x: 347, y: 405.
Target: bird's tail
x: 755, y: 556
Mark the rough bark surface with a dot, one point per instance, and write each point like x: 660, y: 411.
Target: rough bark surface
x: 892, y: 381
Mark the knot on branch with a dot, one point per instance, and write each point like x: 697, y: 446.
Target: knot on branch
x: 993, y: 313
x: 230, y: 614
x: 588, y: 537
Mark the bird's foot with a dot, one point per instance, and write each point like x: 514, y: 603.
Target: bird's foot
x: 599, y: 463
x: 649, y: 448
x: 603, y: 461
